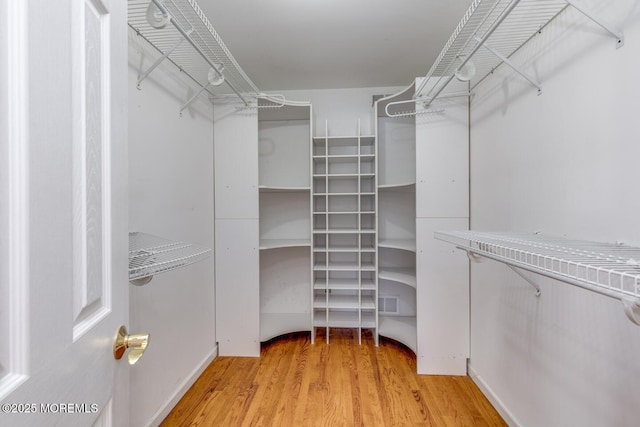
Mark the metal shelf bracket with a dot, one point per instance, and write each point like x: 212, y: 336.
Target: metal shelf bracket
x: 527, y: 279
x: 619, y: 35
x: 158, y: 61
x: 508, y: 62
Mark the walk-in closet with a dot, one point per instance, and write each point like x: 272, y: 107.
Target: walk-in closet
x: 319, y: 213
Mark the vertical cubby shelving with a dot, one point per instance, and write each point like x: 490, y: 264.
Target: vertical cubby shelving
x: 344, y: 188
x: 284, y: 219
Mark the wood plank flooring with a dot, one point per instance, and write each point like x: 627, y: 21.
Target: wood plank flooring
x: 295, y: 383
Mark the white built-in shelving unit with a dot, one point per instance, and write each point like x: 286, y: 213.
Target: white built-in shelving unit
x: 344, y: 232
x: 284, y: 136
x: 396, y: 223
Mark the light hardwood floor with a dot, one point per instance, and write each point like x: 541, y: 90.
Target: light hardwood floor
x: 295, y: 383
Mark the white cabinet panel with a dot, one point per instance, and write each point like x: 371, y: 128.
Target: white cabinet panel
x: 284, y: 153
x: 442, y: 156
x: 397, y: 146
x: 442, y: 300
x: 236, y: 162
x: 237, y: 287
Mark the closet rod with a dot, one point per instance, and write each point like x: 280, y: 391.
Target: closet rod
x: 425, y: 100
x: 187, y: 37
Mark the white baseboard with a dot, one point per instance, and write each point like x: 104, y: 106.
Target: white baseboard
x: 162, y: 413
x: 493, y: 398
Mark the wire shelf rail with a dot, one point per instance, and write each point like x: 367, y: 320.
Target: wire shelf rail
x: 182, y: 34
x: 150, y: 255
x: 608, y: 269
x: 488, y: 35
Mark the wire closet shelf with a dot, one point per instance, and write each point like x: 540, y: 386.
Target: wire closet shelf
x: 150, y: 255
x: 608, y: 269
x: 488, y: 34
x: 181, y: 33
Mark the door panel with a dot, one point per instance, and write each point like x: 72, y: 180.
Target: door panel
x: 64, y: 287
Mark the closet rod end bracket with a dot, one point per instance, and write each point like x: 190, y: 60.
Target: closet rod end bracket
x: 632, y: 309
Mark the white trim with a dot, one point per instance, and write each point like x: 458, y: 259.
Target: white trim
x: 18, y: 173
x: 497, y: 403
x: 19, y: 184
x: 83, y: 325
x: 165, y: 409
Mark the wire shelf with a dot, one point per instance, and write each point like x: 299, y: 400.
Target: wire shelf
x: 504, y: 25
x: 608, y: 269
x: 193, y: 59
x: 150, y: 255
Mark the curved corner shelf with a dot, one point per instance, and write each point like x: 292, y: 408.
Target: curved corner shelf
x: 279, y: 189
x: 400, y: 328
x: 150, y: 255
x: 406, y: 186
x: 404, y: 275
x: 275, y: 324
x: 608, y: 269
x: 284, y: 243
x: 402, y: 244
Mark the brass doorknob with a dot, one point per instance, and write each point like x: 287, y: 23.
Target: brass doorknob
x: 137, y: 343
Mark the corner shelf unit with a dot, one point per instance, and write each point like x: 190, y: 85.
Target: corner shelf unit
x: 150, y: 255
x: 344, y: 225
x: 284, y: 188
x: 397, y: 283
x: 607, y: 269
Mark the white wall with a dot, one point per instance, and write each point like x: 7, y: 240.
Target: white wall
x: 563, y: 163
x: 171, y: 195
x: 342, y: 108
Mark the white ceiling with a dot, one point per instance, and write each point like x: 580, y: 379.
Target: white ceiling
x: 322, y: 44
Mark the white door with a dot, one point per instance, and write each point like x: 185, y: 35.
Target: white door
x: 63, y: 217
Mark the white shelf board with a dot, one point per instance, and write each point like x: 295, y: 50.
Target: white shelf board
x: 344, y: 319
x: 344, y: 266
x: 276, y: 324
x: 343, y: 212
x: 337, y: 301
x: 404, y: 275
x: 346, y: 193
x: 344, y: 249
x: 150, y: 255
x: 344, y: 284
x: 400, y: 328
x: 404, y: 244
x: 342, y: 231
x: 279, y: 189
x: 284, y: 243
x: 609, y: 269
x: 337, y: 249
